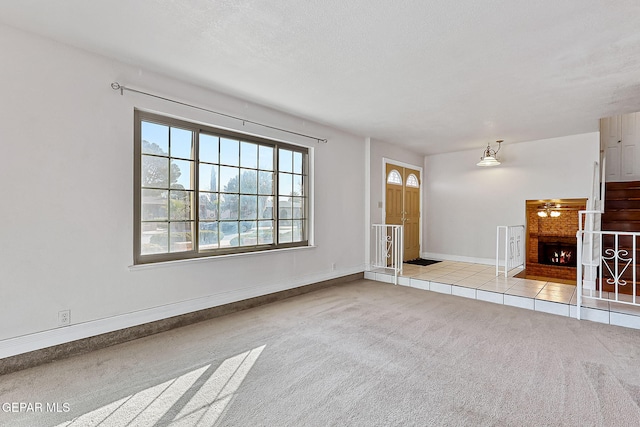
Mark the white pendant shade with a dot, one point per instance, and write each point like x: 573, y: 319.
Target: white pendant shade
x: 488, y: 161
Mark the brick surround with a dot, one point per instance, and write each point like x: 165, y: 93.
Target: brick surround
x: 562, y: 228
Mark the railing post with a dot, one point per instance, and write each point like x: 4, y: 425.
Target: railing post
x: 498, y: 250
x: 634, y: 268
x: 616, y: 253
x: 507, y: 234
x: 579, y: 274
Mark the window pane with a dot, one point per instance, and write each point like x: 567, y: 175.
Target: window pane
x: 229, y: 235
x: 248, y: 233
x: 285, y: 231
x: 284, y: 208
x: 208, y: 236
x: 154, y: 205
x: 155, y: 138
x: 248, y: 181
x: 412, y: 181
x: 208, y: 177
x: 266, y: 158
x: 180, y: 237
x: 180, y: 174
x: 297, y: 185
x: 181, y: 143
x: 286, y: 160
x: 229, y: 179
x: 248, y: 207
x: 265, y: 232
x: 394, y: 178
x: 298, y: 232
x: 208, y: 206
x: 297, y: 162
x: 265, y: 183
x: 155, y: 238
x: 248, y: 155
x: 155, y: 171
x: 285, y: 184
x: 208, y: 148
x: 229, y: 152
x: 180, y: 205
x: 228, y: 206
x: 297, y: 207
x: 265, y: 207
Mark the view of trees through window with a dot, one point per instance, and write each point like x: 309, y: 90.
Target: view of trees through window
x: 206, y: 192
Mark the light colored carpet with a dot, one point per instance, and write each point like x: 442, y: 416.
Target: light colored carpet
x: 361, y: 354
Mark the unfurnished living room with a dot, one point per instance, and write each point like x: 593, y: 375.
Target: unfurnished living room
x: 364, y: 213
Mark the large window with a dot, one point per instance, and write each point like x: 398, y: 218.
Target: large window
x: 202, y: 191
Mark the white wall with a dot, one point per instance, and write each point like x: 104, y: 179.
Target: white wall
x: 465, y: 203
x: 67, y: 200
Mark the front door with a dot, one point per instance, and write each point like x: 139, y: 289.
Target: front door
x: 402, y: 206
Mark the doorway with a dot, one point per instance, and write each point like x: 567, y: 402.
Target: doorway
x: 402, y: 205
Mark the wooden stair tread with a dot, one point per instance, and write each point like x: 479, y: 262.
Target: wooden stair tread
x: 623, y: 221
x: 623, y: 184
x: 622, y: 226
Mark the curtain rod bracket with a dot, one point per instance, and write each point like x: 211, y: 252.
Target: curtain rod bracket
x: 121, y: 88
x: 116, y: 86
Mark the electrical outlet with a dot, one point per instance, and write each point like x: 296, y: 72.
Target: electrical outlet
x: 333, y: 266
x: 64, y: 318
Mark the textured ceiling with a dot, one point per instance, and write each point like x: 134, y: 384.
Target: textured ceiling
x: 432, y: 75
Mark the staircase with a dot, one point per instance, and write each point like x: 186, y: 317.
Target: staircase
x: 622, y: 207
x: 622, y: 213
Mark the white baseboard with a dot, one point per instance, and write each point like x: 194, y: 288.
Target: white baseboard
x: 447, y: 257
x: 39, y: 340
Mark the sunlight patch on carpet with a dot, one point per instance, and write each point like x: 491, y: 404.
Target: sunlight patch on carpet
x: 198, y: 397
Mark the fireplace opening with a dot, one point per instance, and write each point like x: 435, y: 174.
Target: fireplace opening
x: 557, y: 253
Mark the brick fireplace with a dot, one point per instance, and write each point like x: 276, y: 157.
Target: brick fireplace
x: 551, y: 239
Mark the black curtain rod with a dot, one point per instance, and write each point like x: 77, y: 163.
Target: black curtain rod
x: 121, y: 88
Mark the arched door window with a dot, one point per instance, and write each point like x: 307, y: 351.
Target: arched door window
x: 394, y: 177
x: 412, y: 181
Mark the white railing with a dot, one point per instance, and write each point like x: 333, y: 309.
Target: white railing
x: 389, y: 248
x: 614, y: 265
x: 512, y: 254
x: 615, y: 261
x: 589, y: 247
x: 603, y: 184
x: 589, y: 242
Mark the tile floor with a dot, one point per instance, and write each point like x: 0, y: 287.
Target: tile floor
x: 479, y: 281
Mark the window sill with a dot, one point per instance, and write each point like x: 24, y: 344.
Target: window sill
x: 178, y: 262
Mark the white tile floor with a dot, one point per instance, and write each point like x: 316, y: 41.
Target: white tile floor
x: 478, y: 281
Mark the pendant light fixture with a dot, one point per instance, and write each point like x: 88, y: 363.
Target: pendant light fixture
x: 489, y: 157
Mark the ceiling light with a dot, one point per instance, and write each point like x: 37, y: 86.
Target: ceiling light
x: 546, y: 210
x: 489, y: 157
